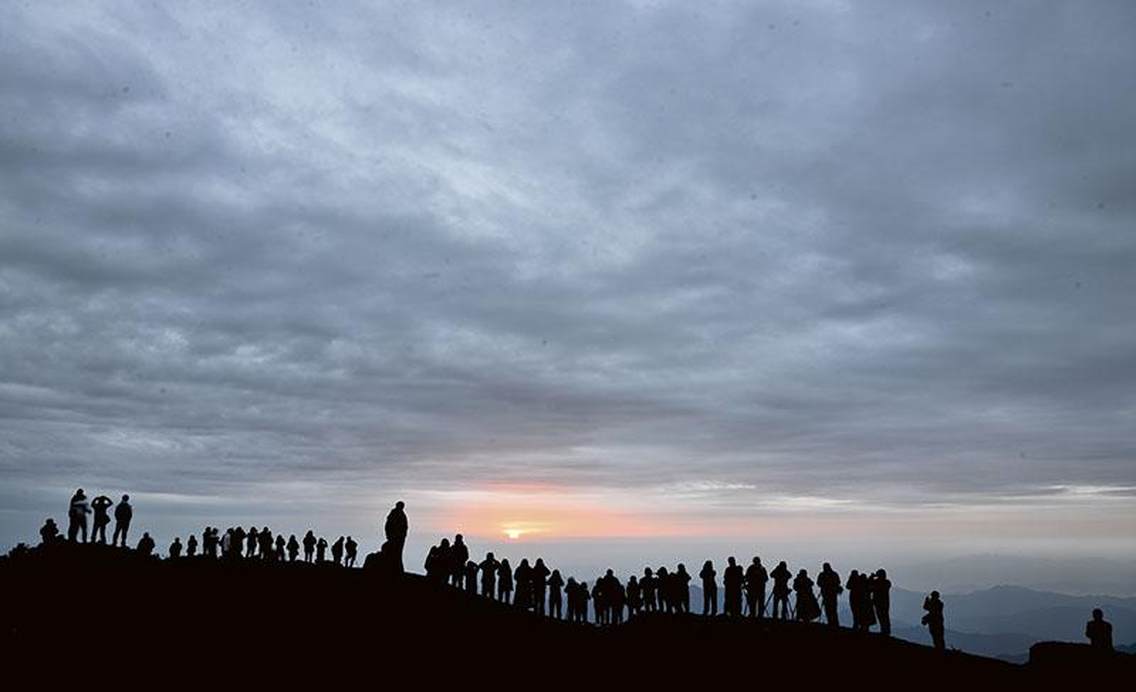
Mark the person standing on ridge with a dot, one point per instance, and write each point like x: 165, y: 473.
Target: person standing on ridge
x: 830, y: 589
x: 489, y: 576
x: 781, y: 576
x: 77, y: 516
x: 293, y: 548
x: 709, y: 589
x: 459, y: 555
x: 555, y: 595
x: 732, y: 579
x: 396, y: 528
x: 352, y: 551
x: 101, y: 505
x: 1099, y: 631
x: 933, y: 619
x: 123, y: 513
x: 755, y: 579
x: 881, y: 600
x: 309, y: 545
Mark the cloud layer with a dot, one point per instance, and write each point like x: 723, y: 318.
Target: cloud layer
x: 873, y: 255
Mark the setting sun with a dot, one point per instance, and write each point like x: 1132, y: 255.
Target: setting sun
x: 513, y: 534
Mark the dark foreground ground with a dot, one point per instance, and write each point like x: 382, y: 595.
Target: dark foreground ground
x: 107, y: 615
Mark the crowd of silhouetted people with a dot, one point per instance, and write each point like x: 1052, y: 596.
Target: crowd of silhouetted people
x: 535, y: 587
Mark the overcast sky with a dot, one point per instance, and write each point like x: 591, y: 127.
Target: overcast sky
x: 575, y: 270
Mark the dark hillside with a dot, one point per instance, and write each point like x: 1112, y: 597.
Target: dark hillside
x: 197, y: 617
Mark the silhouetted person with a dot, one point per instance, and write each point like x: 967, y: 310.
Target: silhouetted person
x: 209, y: 542
x: 539, y: 585
x: 396, y: 528
x: 709, y: 589
x: 459, y: 555
x: 175, y: 548
x: 781, y: 576
x: 471, y: 577
x: 828, y: 581
x: 227, y: 550
x: 252, y: 538
x: 488, y: 569
x: 664, y: 589
x: 1099, y: 631
x: 191, y: 546
x: 337, y: 551
x: 617, y: 598
x: 145, y: 545
x: 933, y: 619
x: 732, y: 579
x: 599, y: 602
x: 123, y: 514
x: 807, y: 607
x: 522, y: 579
x: 582, y: 596
x: 504, y: 581
x: 647, y: 584
x: 682, y: 588
x: 634, y: 597
x: 555, y: 595
x: 309, y: 546
x: 860, y: 601
x: 352, y: 551
x: 293, y: 548
x: 234, y: 546
x: 77, y: 513
x: 101, y: 505
x: 281, y: 547
x: 755, y: 579
x: 438, y: 562
x: 321, y: 549
x: 264, y: 545
x: 881, y: 600
x: 572, y: 596
x: 49, y: 532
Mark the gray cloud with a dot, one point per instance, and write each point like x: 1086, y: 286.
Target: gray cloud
x: 882, y: 252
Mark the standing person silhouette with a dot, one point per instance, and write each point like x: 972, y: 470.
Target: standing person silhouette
x: 321, y: 549
x: 709, y: 589
x: 337, y: 551
x: 647, y: 585
x: 293, y: 548
x: 634, y: 597
x: 123, y: 513
x: 191, y: 546
x: 175, y: 548
x: 682, y: 588
x: 252, y: 539
x: 881, y: 600
x: 281, y: 548
x: 732, y: 579
x: 933, y: 619
x: 807, y: 608
x: 755, y: 579
x: 459, y: 555
x: 855, y: 599
x: 488, y: 568
x: 396, y: 528
x: 829, y: 583
x: 664, y: 589
x: 237, y: 538
x: 522, y: 577
x: 1099, y: 631
x: 101, y: 505
x: 352, y: 551
x: 77, y: 513
x: 781, y: 576
x: 571, y: 594
x: 504, y: 581
x: 539, y: 585
x: 555, y: 596
x: 471, y: 577
x: 309, y: 545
